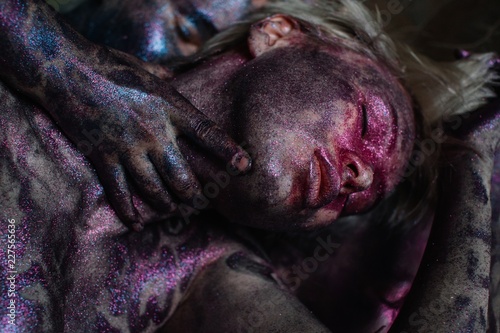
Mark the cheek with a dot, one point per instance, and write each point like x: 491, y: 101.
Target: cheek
x: 387, y: 174
x: 362, y: 201
x: 281, y: 160
x: 385, y: 171
x: 280, y: 156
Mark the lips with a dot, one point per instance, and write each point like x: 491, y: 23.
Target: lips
x: 323, y: 181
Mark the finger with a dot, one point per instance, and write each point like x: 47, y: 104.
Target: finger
x: 115, y: 185
x: 147, y: 180
x: 176, y: 172
x: 206, y: 133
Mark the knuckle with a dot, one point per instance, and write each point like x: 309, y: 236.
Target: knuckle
x: 128, y: 215
x: 187, y: 189
x: 184, y: 185
x: 152, y: 189
x: 161, y: 193
x: 204, y: 128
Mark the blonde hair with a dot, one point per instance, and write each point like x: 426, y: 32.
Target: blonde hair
x: 439, y: 88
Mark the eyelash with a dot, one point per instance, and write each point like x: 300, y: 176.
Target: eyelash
x: 364, y: 125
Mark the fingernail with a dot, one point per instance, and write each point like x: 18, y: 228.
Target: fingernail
x: 242, y: 162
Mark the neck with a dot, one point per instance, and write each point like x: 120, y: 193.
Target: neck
x: 205, y: 86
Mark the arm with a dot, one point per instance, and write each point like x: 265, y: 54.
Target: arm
x: 123, y: 118
x: 456, y: 287
x: 238, y: 294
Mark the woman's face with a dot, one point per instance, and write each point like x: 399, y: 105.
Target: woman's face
x: 329, y: 132
x: 161, y: 29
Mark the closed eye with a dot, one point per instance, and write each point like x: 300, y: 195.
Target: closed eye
x: 364, y: 124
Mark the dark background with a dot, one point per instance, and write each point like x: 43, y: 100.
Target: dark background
x: 438, y: 27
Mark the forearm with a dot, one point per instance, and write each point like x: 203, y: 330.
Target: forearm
x: 106, y: 102
x: 39, y: 51
x: 47, y: 60
x: 238, y: 294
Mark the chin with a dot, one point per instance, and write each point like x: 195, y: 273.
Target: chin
x: 287, y: 215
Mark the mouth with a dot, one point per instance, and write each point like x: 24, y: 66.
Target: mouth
x: 323, y: 184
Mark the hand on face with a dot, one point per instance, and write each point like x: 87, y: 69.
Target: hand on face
x: 330, y: 130
x: 127, y: 122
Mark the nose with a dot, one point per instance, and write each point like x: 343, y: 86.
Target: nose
x: 357, y: 175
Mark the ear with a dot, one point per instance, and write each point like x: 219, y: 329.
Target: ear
x: 272, y: 32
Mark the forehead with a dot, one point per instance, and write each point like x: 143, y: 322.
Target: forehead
x: 315, y: 74
x: 360, y: 70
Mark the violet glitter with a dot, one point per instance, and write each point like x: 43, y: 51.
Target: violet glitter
x: 74, y: 258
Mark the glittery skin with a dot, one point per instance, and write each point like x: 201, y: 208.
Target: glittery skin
x: 362, y: 288
x: 110, y: 106
x: 79, y: 269
x: 367, y: 276
x: 306, y: 111
x: 494, y: 306
x: 457, y: 287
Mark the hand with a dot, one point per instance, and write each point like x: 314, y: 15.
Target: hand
x: 123, y: 118
x: 127, y: 122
